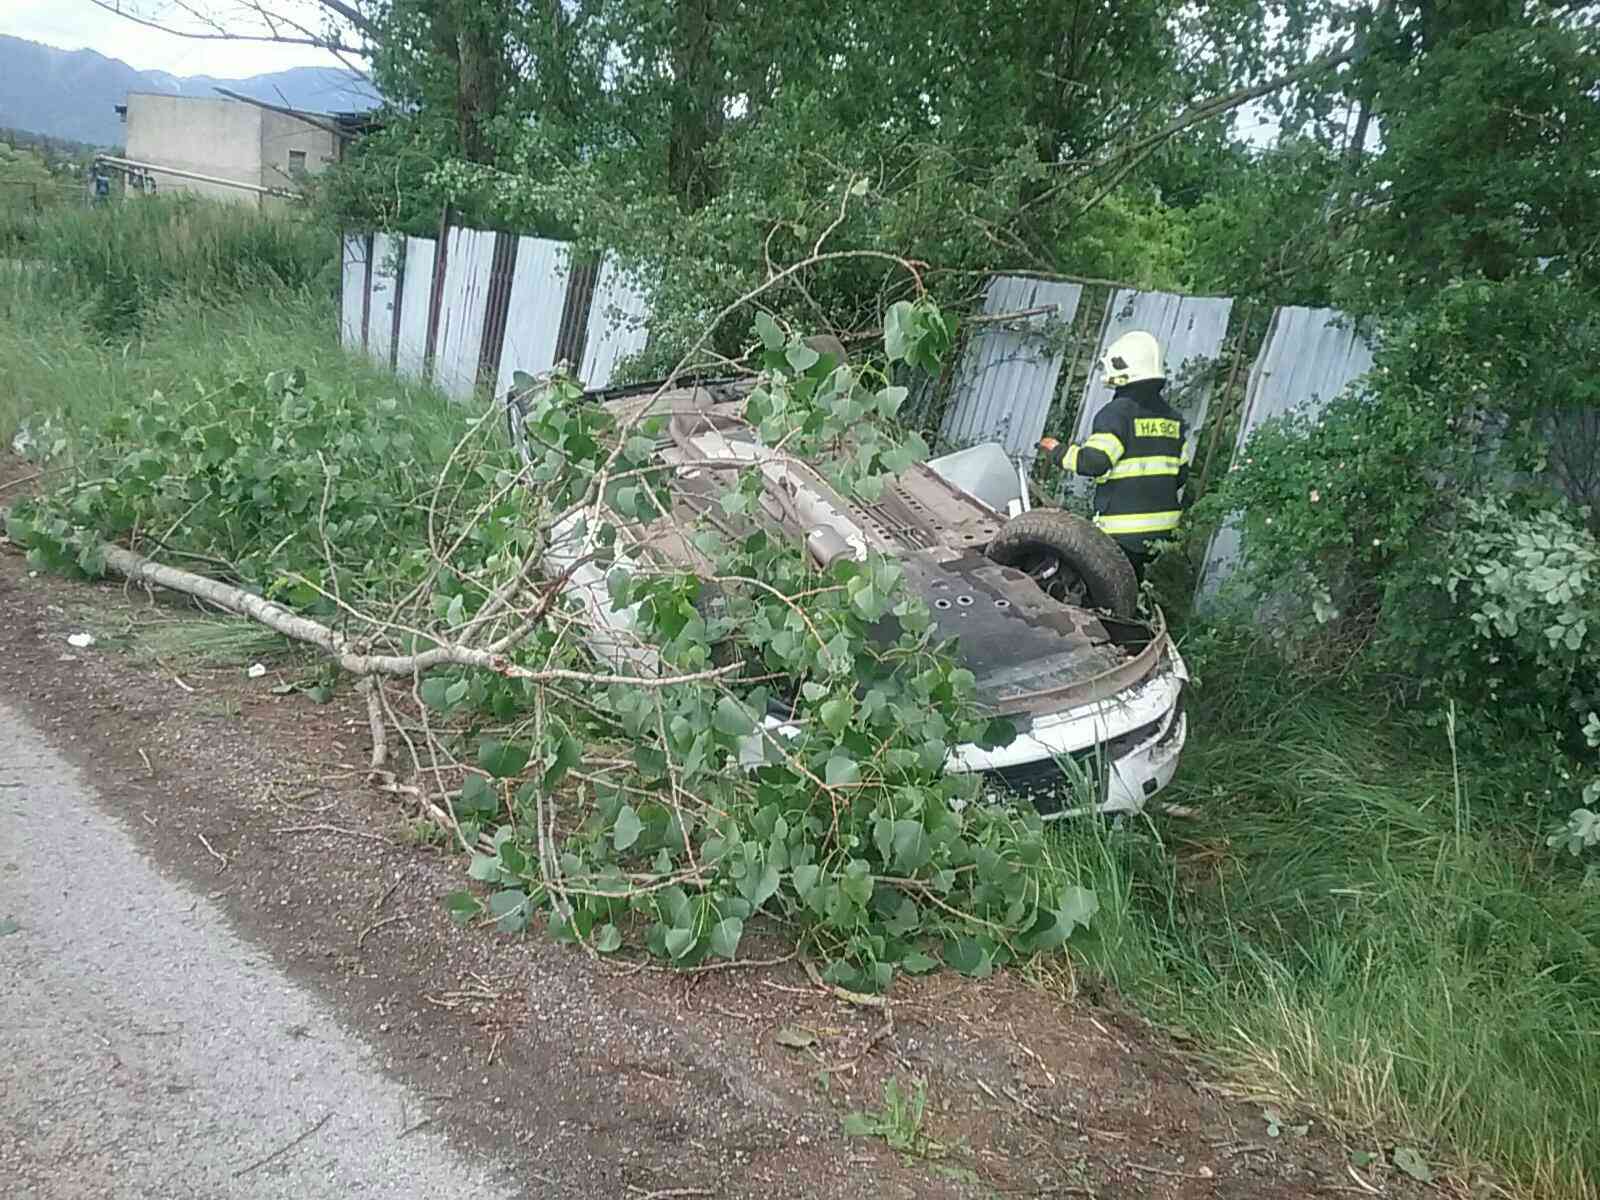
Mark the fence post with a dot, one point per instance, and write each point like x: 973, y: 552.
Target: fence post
x: 436, y: 292
x: 1229, y: 406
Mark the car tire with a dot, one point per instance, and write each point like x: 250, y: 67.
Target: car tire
x: 1069, y: 558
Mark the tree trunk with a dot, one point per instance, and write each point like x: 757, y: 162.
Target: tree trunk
x: 697, y: 105
x: 466, y: 37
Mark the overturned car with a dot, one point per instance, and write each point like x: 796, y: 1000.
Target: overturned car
x: 1042, y: 607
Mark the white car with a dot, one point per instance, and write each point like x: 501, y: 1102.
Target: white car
x: 1042, y: 604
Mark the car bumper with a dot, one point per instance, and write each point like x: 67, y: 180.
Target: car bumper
x: 1110, y: 757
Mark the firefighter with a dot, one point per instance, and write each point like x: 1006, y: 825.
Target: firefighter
x: 1136, y: 452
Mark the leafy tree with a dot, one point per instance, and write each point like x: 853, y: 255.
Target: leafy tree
x: 1451, y: 493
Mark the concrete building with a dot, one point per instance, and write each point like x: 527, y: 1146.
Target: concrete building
x: 225, y: 140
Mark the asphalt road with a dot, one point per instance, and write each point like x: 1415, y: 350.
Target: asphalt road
x: 147, y: 1051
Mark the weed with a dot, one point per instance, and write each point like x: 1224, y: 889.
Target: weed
x: 899, y: 1122
x: 420, y: 832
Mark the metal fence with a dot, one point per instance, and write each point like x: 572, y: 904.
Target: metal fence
x: 473, y: 307
x: 1009, y: 377
x: 1310, y: 356
x: 1005, y: 382
x: 1191, y: 330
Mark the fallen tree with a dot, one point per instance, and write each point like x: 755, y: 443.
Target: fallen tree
x: 648, y: 802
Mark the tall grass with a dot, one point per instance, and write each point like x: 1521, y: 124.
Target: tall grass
x: 1364, y: 924
x: 120, y: 263
x: 57, y: 366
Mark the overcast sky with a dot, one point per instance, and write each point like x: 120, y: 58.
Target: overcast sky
x: 79, y: 24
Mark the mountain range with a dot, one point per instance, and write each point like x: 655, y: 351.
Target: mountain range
x: 73, y: 93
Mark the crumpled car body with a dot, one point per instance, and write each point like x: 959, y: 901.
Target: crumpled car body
x: 1097, y: 702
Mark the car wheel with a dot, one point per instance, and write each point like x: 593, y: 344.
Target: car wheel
x: 1069, y: 559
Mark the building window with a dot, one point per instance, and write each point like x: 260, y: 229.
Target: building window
x: 297, y: 163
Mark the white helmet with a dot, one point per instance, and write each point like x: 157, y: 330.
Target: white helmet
x: 1133, y: 357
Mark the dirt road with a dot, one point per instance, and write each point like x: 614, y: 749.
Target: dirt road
x: 146, y: 1050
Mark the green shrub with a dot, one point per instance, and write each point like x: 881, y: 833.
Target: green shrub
x: 295, y: 488
x: 1526, y: 584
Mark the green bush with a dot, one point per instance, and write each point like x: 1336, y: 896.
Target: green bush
x: 1527, y: 586
x: 296, y: 488
x: 1438, y: 555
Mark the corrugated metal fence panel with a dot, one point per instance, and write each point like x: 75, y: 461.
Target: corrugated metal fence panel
x: 462, y: 310
x: 1007, y: 377
x: 412, y: 348
x: 352, y: 291
x: 386, y: 256
x: 1191, y: 330
x: 617, y: 325
x: 1311, y: 355
x: 533, y: 315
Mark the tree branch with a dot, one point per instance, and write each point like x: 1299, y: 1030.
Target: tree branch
x: 139, y: 569
x: 333, y: 45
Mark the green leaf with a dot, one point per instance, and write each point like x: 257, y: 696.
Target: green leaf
x: 897, y: 330
x: 723, y: 940
x: 868, y: 601
x: 859, y: 1124
x: 757, y: 888
x: 906, y: 918
x: 569, y: 753
x: 484, y: 868
x: 918, y: 963
x: 501, y: 759
x: 511, y: 907
x: 883, y: 837
x: 912, y: 851
x: 841, y: 771
x: 477, y: 796
x: 625, y: 832
x: 805, y: 878
x: 836, y: 714
x: 435, y: 694
x: 1413, y: 1164
x: 769, y: 333
x: 732, y: 718
x: 857, y: 882
x: 607, y: 939
x: 462, y: 906
x: 890, y: 399
x: 680, y: 941
x: 969, y: 956
x: 1078, y: 905
x: 92, y: 559
x: 802, y: 358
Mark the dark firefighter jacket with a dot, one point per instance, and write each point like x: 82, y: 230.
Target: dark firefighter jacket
x: 1135, y: 456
